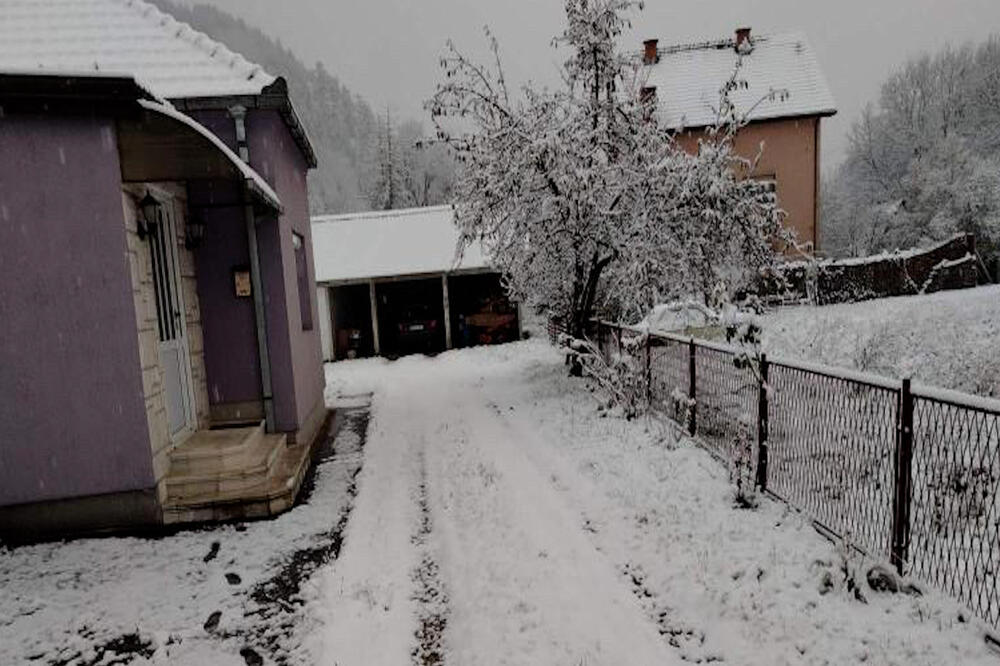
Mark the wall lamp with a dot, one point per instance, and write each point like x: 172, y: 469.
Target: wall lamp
x: 148, y: 218
x: 194, y: 230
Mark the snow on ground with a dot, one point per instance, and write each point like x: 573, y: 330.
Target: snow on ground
x: 65, y: 603
x: 505, y: 517
x: 946, y: 339
x: 501, y: 515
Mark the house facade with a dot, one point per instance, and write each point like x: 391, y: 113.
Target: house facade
x: 161, y: 362
x: 783, y: 95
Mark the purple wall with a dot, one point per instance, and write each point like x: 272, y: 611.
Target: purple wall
x: 230, y: 335
x: 231, y: 361
x: 296, y: 357
x: 72, y: 418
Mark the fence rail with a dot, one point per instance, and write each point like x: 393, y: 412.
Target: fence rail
x: 910, y: 474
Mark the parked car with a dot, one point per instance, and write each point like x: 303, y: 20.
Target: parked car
x: 418, y: 330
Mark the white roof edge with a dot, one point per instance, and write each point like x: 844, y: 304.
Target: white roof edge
x: 255, y: 179
x: 761, y: 119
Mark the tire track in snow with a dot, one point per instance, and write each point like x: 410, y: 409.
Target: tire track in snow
x: 686, y: 639
x: 432, y: 613
x: 527, y: 586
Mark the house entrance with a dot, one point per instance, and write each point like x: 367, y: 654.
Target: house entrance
x: 173, y: 347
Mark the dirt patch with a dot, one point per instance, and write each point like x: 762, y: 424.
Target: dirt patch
x: 276, y: 601
x: 285, y: 585
x: 118, y: 650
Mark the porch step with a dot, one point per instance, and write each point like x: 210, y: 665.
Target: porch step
x: 244, y: 470
x: 259, y: 498
x: 210, y: 452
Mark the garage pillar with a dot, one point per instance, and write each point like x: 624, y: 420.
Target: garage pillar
x: 374, y: 307
x: 447, y: 311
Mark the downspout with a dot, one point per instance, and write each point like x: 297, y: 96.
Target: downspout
x: 238, y: 114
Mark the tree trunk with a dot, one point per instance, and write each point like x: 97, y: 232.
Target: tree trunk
x: 585, y: 306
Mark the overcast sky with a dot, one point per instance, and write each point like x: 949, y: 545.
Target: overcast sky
x: 387, y: 50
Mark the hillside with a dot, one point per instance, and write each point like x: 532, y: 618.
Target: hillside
x: 340, y: 124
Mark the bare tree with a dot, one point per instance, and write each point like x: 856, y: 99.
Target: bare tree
x: 580, y: 194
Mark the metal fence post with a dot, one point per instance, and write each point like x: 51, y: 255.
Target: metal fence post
x: 692, y: 404
x: 902, y: 488
x: 649, y: 370
x: 762, y: 424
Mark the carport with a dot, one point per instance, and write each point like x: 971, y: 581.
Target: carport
x: 390, y: 284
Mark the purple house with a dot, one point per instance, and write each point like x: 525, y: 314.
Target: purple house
x: 159, y: 361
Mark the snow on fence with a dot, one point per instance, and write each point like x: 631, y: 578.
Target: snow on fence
x: 910, y: 474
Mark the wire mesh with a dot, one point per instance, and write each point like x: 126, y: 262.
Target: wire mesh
x: 668, y: 378
x: 725, y: 400
x: 955, y: 514
x: 831, y: 446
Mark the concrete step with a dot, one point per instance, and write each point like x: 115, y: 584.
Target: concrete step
x: 267, y: 497
x: 210, y: 451
x: 214, y: 451
x: 243, y: 472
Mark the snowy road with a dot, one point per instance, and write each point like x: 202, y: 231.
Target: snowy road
x: 524, y: 583
x: 503, y: 518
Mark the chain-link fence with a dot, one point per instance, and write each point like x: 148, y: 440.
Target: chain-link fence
x: 907, y: 473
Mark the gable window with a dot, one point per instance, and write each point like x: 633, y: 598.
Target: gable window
x: 302, y: 273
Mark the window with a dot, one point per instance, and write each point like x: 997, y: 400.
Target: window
x: 770, y: 184
x: 302, y: 273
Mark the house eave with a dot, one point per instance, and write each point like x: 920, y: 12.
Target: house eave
x: 274, y: 97
x: 33, y: 92
x: 826, y: 113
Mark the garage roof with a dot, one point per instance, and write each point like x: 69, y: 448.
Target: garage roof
x: 413, y: 241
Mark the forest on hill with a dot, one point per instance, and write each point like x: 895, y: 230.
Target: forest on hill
x: 366, y: 160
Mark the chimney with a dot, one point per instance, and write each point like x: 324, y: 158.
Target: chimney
x: 650, y: 55
x: 743, y: 43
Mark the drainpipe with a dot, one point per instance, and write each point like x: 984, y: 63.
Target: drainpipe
x: 238, y: 114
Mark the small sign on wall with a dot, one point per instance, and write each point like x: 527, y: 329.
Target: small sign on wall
x: 242, y: 285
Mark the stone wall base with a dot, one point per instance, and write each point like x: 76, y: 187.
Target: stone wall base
x: 81, y: 515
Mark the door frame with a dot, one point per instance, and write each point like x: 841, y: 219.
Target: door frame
x: 175, y: 208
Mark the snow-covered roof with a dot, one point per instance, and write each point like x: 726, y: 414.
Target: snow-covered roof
x: 128, y: 37
x: 688, y: 79
x: 381, y: 244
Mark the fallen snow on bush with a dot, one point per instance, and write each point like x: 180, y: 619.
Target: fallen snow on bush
x: 948, y: 339
x: 559, y: 533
